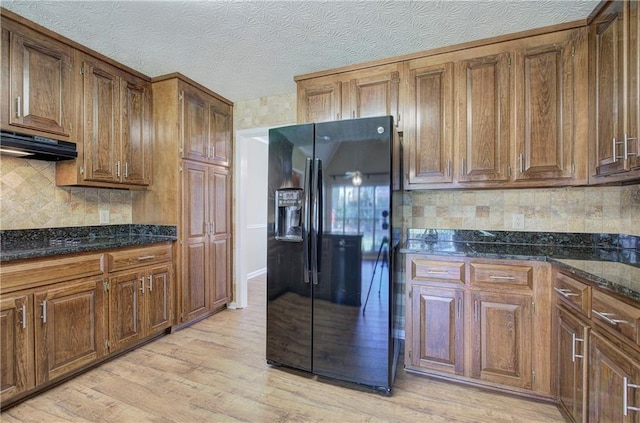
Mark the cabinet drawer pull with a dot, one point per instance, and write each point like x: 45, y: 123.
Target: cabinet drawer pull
x: 44, y: 311
x: 605, y: 316
x: 142, y: 258
x: 142, y: 285
x: 24, y: 317
x: 509, y: 278
x: 573, y: 347
x: 565, y: 292
x: 150, y: 283
x: 625, y: 399
x: 437, y: 272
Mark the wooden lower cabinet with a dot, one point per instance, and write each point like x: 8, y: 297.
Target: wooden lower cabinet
x: 70, y: 328
x: 473, y: 320
x: 438, y: 324
x: 16, y: 345
x: 571, y: 364
x: 52, y: 328
x: 614, y: 376
x: 502, y: 339
x: 139, y: 305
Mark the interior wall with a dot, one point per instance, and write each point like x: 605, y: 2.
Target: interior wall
x: 29, y: 199
x: 256, y: 207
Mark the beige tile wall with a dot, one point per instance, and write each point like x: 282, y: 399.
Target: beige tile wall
x: 279, y: 110
x: 29, y: 199
x: 573, y: 209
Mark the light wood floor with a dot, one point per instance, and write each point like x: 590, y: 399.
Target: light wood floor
x: 215, y: 371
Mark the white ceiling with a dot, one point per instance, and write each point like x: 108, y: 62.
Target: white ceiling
x: 250, y: 49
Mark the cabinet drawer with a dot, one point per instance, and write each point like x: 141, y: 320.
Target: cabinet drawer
x: 438, y: 271
x: 573, y: 293
x: 620, y: 317
x: 142, y: 256
x: 37, y: 272
x: 501, y: 275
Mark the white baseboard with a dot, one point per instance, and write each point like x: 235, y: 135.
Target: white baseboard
x: 256, y: 273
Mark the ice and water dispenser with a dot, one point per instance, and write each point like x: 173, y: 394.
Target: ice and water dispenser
x: 289, y: 214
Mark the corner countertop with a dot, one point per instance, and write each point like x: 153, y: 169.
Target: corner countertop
x: 35, y: 243
x: 610, y: 261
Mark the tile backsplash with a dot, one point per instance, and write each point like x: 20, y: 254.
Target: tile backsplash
x: 30, y: 199
x: 611, y: 209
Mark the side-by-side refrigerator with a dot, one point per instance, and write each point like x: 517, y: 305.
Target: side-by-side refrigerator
x: 330, y: 295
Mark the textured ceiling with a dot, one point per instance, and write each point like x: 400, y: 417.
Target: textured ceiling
x: 250, y: 49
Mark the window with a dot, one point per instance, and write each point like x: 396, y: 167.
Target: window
x: 358, y: 210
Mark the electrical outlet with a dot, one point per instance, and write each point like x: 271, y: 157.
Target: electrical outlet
x: 104, y: 216
x: 518, y: 221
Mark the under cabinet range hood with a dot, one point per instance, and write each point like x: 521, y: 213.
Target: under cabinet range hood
x: 35, y: 147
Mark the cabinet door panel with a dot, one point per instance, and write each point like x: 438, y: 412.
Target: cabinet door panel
x: 220, y: 271
x: 429, y: 151
x: 545, y: 75
x: 375, y: 96
x: 221, y: 120
x: 220, y: 199
x: 609, y: 370
x: 125, y: 309
x: 101, y: 124
x: 571, y: 359
x: 69, y: 329
x: 195, y: 126
x: 608, y: 34
x: 136, y: 132
x: 195, y: 287
x: 158, y: 299
x: 16, y: 353
x: 502, y: 339
x: 484, y: 118
x: 41, y: 84
x: 319, y: 103
x: 438, y: 329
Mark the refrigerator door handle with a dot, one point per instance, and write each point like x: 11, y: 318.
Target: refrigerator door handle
x: 314, y: 223
x: 306, y: 231
x: 319, y: 213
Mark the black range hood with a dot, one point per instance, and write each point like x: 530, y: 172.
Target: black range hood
x: 35, y: 147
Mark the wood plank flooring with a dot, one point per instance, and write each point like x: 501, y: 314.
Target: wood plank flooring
x: 215, y: 371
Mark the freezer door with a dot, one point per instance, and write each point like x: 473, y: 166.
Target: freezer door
x: 289, y: 307
x: 351, y: 342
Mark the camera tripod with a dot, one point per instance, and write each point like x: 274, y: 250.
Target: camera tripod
x: 384, y: 251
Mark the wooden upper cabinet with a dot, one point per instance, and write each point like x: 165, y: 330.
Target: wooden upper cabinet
x: 319, y: 100
x: 549, y: 85
x: 220, y: 123
x: 357, y: 94
x: 136, y: 126
x: 483, y: 115
x: 428, y: 138
x: 38, y: 88
x: 101, y: 93
x: 375, y: 95
x: 613, y: 40
x: 206, y: 127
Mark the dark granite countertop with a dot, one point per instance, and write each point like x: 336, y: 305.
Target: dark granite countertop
x: 611, y: 261
x: 34, y: 243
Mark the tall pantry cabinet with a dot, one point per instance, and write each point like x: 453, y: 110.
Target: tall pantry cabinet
x: 192, y: 189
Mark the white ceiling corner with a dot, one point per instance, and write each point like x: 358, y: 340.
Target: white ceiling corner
x: 250, y: 49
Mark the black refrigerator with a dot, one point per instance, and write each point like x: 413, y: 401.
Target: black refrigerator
x: 330, y: 294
